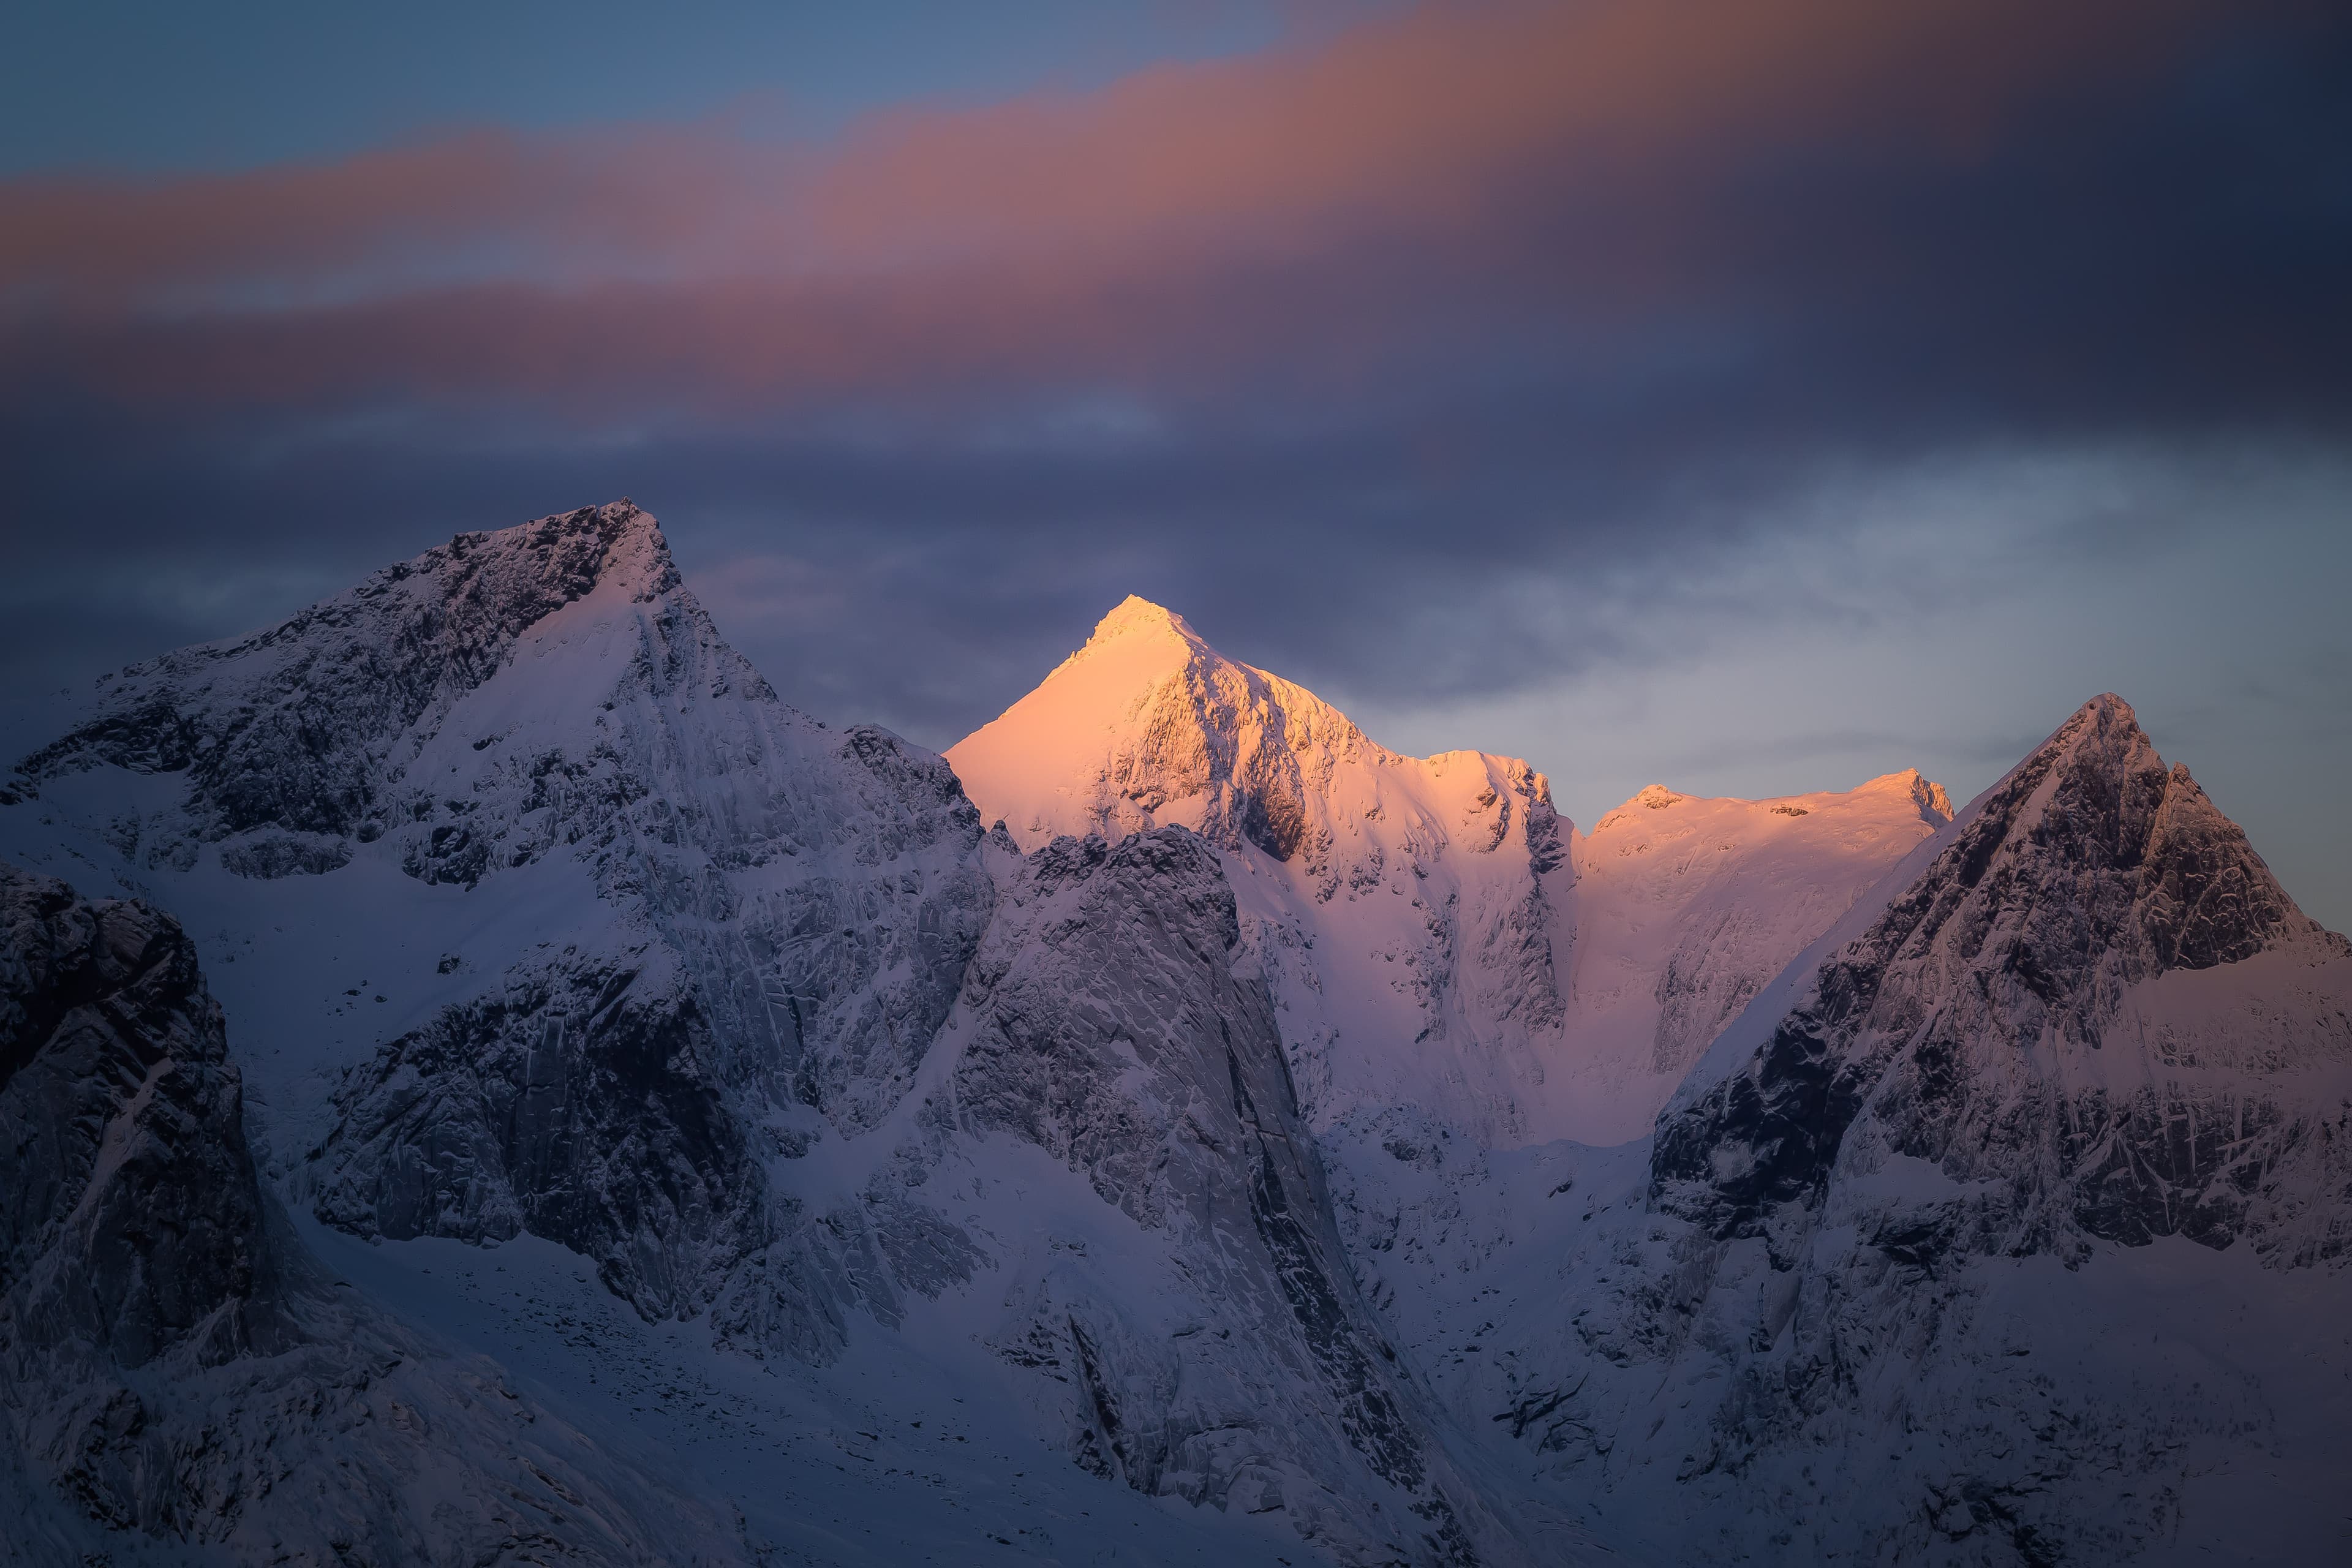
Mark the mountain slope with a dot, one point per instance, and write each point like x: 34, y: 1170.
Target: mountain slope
x: 1438, y: 938
x: 2007, y: 1227
x: 542, y: 920
x: 1684, y: 908
x: 2097, y: 999
x: 177, y: 1377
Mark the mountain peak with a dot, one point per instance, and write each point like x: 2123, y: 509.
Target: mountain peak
x: 335, y: 683
x: 2106, y: 720
x: 1935, y: 805
x: 619, y: 544
x: 1136, y: 616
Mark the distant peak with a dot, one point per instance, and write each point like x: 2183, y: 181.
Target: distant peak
x: 1935, y: 805
x: 2106, y: 705
x: 1137, y: 613
x: 619, y: 541
x: 2106, y: 723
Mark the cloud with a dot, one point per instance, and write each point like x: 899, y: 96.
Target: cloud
x: 1448, y: 361
x: 1647, y: 190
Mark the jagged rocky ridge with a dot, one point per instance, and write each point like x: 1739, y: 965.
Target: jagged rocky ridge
x: 177, y: 1379
x: 2006, y: 1020
x: 1209, y: 1134
x: 2007, y: 1228
x: 690, y: 1031
x: 1439, y: 940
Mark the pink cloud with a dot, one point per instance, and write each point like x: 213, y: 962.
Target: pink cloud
x: 1393, y: 178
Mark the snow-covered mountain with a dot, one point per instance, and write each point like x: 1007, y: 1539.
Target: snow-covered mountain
x: 1684, y: 908
x: 2003, y: 1225
x: 538, y: 916
x: 2006, y: 1226
x: 1441, y: 942
x: 640, y: 1122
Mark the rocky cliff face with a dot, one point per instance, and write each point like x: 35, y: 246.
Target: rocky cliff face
x: 772, y: 918
x: 2037, y: 1018
x: 136, y: 1221
x: 2008, y: 1230
x: 1115, y: 1020
x: 579, y: 1102
x: 175, y: 1377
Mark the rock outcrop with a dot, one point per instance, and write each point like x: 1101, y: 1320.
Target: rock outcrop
x: 176, y: 1377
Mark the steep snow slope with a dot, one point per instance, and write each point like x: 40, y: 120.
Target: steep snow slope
x: 540, y: 919
x: 176, y: 1376
x: 648, y: 928
x: 1683, y: 908
x: 1402, y: 903
x: 2009, y: 1228
x: 1439, y: 939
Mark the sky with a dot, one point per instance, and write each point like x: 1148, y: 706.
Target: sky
x: 1747, y: 397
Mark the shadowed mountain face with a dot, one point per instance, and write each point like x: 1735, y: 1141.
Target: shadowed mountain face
x: 174, y: 1374
x: 744, y: 1011
x: 1254, y: 1120
x: 135, y: 1219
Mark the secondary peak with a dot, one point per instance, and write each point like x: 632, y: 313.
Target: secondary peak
x: 1136, y: 614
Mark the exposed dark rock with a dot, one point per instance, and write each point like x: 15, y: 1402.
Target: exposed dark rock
x: 1109, y: 1025
x: 2093, y: 868
x: 575, y: 1102
x: 289, y: 728
x: 173, y: 1368
x: 134, y: 1216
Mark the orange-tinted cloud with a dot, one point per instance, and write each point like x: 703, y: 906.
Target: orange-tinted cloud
x: 1389, y: 183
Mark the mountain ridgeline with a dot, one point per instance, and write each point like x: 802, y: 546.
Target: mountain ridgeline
x: 1169, y: 1113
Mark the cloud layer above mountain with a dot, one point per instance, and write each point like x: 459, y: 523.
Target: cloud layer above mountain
x: 1500, y: 358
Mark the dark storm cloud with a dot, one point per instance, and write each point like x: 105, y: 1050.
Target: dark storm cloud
x: 1410, y: 353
